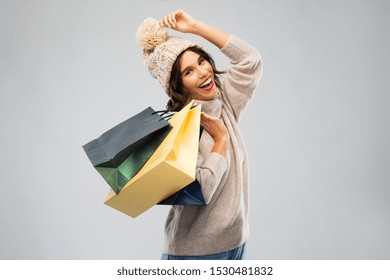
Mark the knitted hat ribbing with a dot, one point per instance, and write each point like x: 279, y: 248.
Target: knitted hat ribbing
x: 160, y: 50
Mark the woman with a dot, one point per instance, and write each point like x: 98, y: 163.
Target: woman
x: 220, y: 229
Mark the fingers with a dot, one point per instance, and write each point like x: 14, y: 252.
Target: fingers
x: 166, y: 22
x: 211, y: 122
x: 214, y: 127
x: 170, y: 20
x: 206, y: 118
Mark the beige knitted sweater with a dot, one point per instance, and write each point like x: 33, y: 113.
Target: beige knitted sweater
x: 222, y: 224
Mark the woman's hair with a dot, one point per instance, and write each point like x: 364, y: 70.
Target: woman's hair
x: 179, y: 96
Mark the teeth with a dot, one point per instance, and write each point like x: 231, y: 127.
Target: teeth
x: 208, y: 81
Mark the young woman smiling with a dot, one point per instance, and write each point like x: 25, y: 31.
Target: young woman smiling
x: 186, y: 72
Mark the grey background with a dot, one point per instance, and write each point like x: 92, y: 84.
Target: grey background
x: 317, y: 131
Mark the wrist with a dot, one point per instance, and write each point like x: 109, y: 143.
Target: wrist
x: 196, y: 27
x: 221, y: 139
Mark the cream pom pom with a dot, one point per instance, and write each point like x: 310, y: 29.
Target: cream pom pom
x: 150, y: 34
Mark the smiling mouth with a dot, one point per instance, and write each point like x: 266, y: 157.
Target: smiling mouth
x: 207, y: 84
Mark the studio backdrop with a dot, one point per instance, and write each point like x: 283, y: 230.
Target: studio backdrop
x: 316, y: 131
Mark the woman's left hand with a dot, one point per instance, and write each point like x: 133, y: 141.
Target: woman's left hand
x: 218, y: 131
x: 179, y: 21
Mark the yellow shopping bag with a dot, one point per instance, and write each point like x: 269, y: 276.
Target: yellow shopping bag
x: 171, y: 167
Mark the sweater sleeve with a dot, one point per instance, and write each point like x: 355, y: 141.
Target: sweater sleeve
x: 241, y: 80
x: 209, y: 173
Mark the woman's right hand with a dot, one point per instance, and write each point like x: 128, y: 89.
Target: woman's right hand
x: 218, y: 132
x: 184, y: 22
x: 179, y: 21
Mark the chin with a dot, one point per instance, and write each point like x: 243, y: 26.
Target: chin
x: 207, y: 97
x: 204, y: 96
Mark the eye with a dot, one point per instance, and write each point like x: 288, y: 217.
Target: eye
x: 188, y: 72
x: 201, y: 61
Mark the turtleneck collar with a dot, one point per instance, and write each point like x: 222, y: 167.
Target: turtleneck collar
x: 212, y: 107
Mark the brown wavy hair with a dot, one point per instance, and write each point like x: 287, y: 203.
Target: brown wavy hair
x: 178, y: 94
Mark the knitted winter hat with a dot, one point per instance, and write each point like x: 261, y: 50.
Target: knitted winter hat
x: 160, y: 50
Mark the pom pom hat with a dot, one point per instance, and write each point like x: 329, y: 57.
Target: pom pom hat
x: 160, y: 50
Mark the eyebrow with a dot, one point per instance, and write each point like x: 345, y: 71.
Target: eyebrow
x: 189, y: 67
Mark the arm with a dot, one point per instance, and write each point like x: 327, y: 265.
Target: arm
x: 242, y: 79
x: 183, y: 22
x: 211, y: 173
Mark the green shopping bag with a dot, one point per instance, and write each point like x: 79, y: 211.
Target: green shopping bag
x: 120, y: 153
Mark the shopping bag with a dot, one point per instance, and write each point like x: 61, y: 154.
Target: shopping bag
x: 190, y: 195
x: 119, y: 153
x: 171, y: 167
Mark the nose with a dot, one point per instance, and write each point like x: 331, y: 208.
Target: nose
x: 202, y: 72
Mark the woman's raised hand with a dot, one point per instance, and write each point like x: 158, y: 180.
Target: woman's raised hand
x: 183, y: 22
x: 179, y: 21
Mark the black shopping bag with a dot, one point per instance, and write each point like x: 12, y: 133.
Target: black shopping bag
x: 119, y: 153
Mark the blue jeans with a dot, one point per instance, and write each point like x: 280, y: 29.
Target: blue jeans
x: 234, y: 254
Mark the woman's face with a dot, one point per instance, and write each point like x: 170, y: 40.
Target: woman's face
x: 197, y: 76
